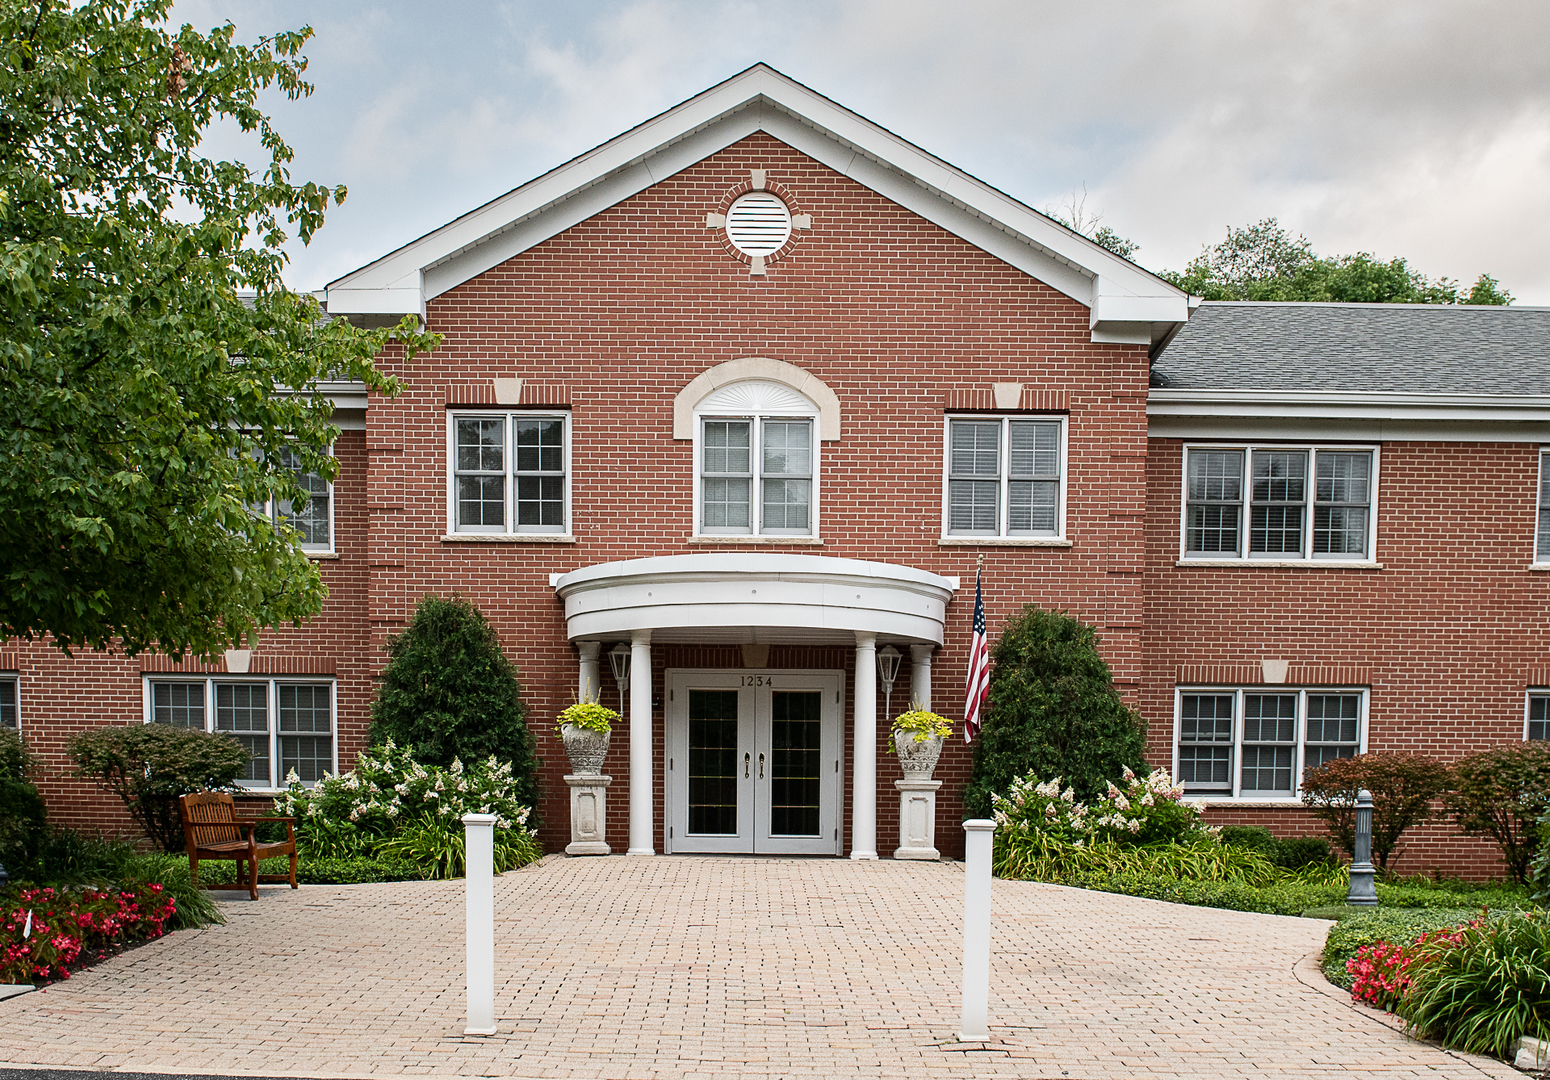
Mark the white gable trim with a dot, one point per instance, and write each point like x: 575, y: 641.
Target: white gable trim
x: 1127, y: 303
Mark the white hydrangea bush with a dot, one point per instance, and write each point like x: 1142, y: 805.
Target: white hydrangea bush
x: 1147, y: 810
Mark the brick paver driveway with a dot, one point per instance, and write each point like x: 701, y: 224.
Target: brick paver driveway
x: 695, y: 966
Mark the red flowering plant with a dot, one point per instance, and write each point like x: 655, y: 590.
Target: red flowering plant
x: 1381, y: 972
x: 44, y: 931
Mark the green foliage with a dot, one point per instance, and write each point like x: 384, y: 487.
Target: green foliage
x: 355, y: 870
x: 1052, y: 711
x: 923, y: 724
x: 144, y: 406
x: 1402, y: 786
x: 1264, y: 262
x: 1501, y: 794
x: 405, y: 816
x: 1360, y: 927
x: 150, y: 765
x: 1289, y: 853
x: 450, y: 692
x: 1287, y: 898
x: 1486, y: 992
x: 1539, y: 866
x: 23, y: 820
x: 195, y: 907
x: 586, y: 714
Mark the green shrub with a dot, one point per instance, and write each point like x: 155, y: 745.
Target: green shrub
x: 1368, y: 926
x: 1402, y: 786
x: 195, y: 907
x: 360, y: 870
x: 1298, y: 852
x: 1486, y: 992
x: 23, y: 820
x: 1539, y: 866
x: 449, y: 693
x: 150, y: 765
x: 1052, y: 710
x: 1501, y: 794
x: 1278, y: 899
x: 1254, y: 837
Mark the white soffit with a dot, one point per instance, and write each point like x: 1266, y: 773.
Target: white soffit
x: 1225, y: 414
x: 1127, y: 303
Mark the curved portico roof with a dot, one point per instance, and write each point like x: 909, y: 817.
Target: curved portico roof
x: 757, y: 597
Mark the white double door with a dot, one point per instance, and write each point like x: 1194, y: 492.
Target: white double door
x: 754, y: 761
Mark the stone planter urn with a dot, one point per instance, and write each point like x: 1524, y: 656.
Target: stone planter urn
x: 586, y: 748
x: 917, y: 759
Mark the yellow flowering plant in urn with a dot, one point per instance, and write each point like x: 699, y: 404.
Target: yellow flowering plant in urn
x: 917, y: 739
x: 584, y: 727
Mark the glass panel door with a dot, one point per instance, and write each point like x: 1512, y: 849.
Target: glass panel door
x: 796, y: 744
x: 797, y: 756
x: 712, y: 760
x: 709, y: 786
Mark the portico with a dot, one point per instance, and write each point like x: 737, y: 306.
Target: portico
x: 755, y: 600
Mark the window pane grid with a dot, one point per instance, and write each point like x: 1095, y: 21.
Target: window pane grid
x: 311, y: 520
x: 786, y: 463
x: 1342, y: 500
x: 1215, y: 501
x: 8, y: 703
x: 1205, y: 742
x: 1269, y: 743
x: 1539, y: 717
x: 768, y: 489
x: 1279, y: 492
x: 178, y: 704
x: 242, y: 711
x: 1542, y: 546
x: 306, y: 738
x: 532, y: 476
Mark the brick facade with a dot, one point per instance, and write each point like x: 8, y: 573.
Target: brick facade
x: 904, y: 321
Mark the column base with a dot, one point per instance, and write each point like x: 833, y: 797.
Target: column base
x: 863, y: 856
x: 641, y: 851
x: 917, y: 819
x: 588, y: 814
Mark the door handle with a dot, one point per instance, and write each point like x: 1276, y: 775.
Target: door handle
x: 745, y: 766
x: 761, y: 766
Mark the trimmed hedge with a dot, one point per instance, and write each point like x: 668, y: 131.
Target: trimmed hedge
x: 360, y: 870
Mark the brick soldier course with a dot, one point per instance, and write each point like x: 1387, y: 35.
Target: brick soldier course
x: 697, y: 966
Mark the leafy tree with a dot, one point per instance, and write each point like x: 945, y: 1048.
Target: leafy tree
x: 23, y: 821
x: 450, y: 692
x: 1501, y: 794
x: 1402, y: 787
x: 145, y: 404
x: 1265, y: 262
x: 150, y: 765
x: 1052, y: 711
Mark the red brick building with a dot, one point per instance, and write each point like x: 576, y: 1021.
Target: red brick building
x: 746, y: 393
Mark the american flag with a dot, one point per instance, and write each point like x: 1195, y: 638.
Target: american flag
x: 978, y: 684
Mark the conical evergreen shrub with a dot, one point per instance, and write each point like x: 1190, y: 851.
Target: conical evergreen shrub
x: 1052, y: 711
x: 450, y: 692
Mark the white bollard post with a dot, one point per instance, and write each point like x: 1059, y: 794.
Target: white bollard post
x: 977, y: 837
x: 479, y: 918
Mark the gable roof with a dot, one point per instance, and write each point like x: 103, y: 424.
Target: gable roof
x: 1127, y: 303
x: 1360, y: 348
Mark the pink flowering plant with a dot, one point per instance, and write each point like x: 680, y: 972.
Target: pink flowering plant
x: 1382, y: 972
x: 43, y: 932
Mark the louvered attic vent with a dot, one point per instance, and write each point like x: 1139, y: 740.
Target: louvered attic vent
x: 758, y: 224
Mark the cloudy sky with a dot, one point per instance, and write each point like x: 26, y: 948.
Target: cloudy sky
x: 1419, y: 129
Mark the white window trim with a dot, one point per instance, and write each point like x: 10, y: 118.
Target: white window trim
x: 510, y: 529
x: 15, y: 679
x: 1539, y: 487
x: 1002, y: 536
x: 1368, y: 559
x: 1528, y: 706
x: 273, y: 682
x: 756, y: 531
x: 1236, y: 770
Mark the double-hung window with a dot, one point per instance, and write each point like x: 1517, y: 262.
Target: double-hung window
x: 756, y: 475
x: 1004, y: 477
x: 286, y: 725
x: 1538, y: 726
x: 8, y: 717
x: 509, y: 472
x: 1279, y: 502
x: 1257, y: 743
x: 1542, y: 531
x: 314, y: 519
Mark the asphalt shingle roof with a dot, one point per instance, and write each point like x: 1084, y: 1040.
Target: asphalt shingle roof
x: 1395, y: 348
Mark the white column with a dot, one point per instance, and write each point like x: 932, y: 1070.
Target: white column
x: 479, y: 920
x: 920, y: 675
x: 591, y: 680
x: 863, y: 804
x: 642, y: 795
x: 977, y: 842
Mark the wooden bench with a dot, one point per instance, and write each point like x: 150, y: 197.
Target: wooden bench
x: 212, y: 830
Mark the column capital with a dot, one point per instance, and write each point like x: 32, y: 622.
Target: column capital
x: 865, y: 640
x: 588, y: 649
x: 640, y: 637
x: 921, y: 653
